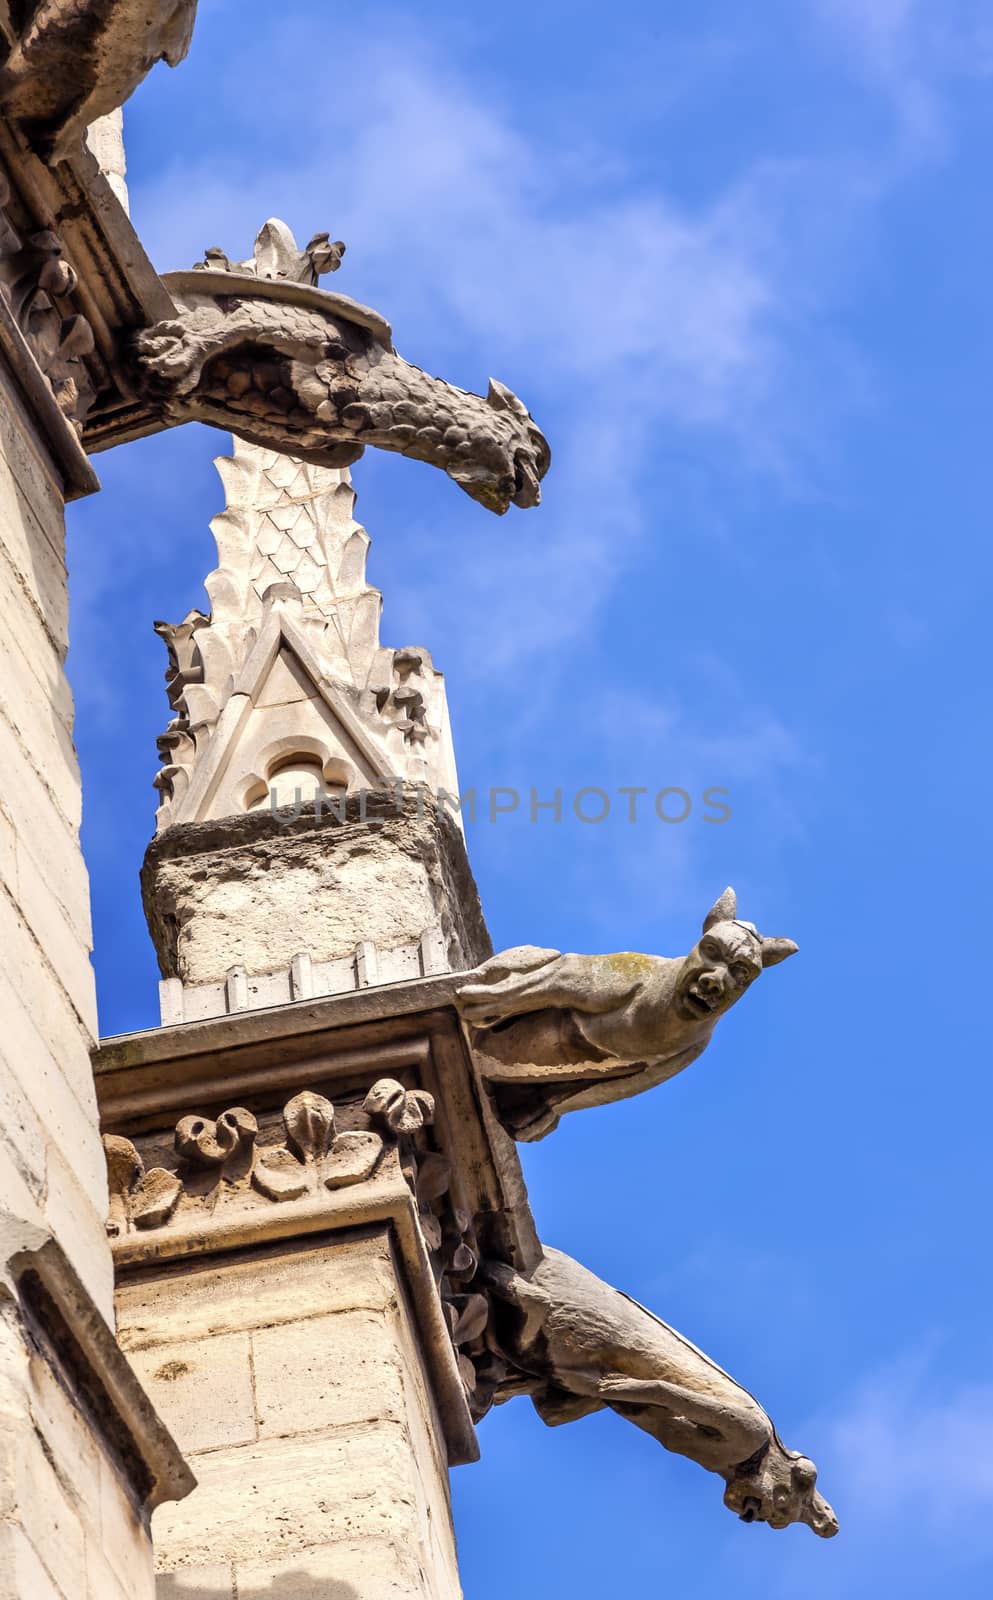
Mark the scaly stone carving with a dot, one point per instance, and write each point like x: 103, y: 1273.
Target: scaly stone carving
x: 76, y: 60
x: 297, y: 369
x: 555, y: 1033
x: 33, y: 275
x: 138, y: 1199
x: 577, y: 1345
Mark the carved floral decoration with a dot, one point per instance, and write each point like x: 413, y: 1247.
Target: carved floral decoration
x: 218, y: 1157
x: 33, y: 275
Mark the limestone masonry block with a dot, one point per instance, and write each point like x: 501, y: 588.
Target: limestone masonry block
x: 253, y: 892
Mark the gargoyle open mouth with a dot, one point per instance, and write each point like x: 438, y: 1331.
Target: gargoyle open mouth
x: 699, y: 1005
x: 527, y: 480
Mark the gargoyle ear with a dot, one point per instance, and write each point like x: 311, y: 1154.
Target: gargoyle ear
x: 776, y: 950
x: 723, y: 910
x: 503, y: 399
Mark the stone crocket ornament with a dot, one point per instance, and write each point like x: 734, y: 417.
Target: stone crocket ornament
x: 77, y: 60
x: 256, y: 348
x: 555, y: 1033
x: 576, y: 1345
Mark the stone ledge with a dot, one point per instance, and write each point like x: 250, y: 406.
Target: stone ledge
x: 62, y: 1322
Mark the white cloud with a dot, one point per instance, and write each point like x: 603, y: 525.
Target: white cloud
x: 629, y: 316
x: 908, y: 50
x: 914, y: 1448
x: 907, y: 1466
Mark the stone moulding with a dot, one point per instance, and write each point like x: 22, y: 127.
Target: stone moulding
x: 44, y: 340
x: 34, y: 277
x: 303, y: 979
x: 64, y: 1325
x: 440, y: 1182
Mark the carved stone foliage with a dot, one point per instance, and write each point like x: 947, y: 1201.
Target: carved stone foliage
x: 314, y: 374
x: 72, y: 61
x: 315, y: 1153
x: 276, y: 256
x: 224, y: 1159
x: 138, y: 1199
x: 292, y: 570
x: 450, y: 1237
x: 34, y: 277
x: 556, y: 1033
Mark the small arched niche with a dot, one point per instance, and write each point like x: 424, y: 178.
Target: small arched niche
x: 294, y: 775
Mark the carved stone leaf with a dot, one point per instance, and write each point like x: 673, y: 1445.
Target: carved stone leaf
x: 398, y: 1109
x: 279, y: 1175
x: 196, y: 1141
x: 464, y: 1261
x: 156, y: 1198
x: 124, y: 1164
x: 309, y: 1121
x: 431, y: 1229
x: 351, y: 1159
x: 434, y: 1174
x: 473, y: 1312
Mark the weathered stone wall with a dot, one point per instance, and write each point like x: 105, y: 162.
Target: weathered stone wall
x: 50, y: 1155
x: 291, y: 1379
x: 69, y: 1528
x: 67, y: 1524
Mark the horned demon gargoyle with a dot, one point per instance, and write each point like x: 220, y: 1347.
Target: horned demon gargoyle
x: 555, y: 1033
x: 258, y: 350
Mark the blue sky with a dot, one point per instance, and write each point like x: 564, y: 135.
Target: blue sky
x: 737, y: 262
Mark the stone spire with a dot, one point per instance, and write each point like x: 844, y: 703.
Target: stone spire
x: 285, y: 688
x: 308, y: 838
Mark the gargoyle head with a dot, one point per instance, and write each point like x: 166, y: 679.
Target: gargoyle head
x: 505, y: 456
x: 727, y: 959
x: 778, y: 1486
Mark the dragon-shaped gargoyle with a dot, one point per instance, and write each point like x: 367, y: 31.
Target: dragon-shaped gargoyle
x: 259, y: 350
x: 576, y: 1345
x: 555, y: 1033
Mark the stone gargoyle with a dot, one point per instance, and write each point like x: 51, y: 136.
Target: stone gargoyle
x: 555, y: 1033
x: 576, y: 1345
x: 76, y: 60
x: 256, y: 348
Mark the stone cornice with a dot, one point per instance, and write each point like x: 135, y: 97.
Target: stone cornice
x: 315, y: 1119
